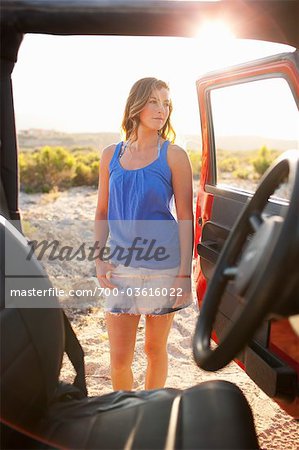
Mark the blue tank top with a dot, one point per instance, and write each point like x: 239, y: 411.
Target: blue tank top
x: 140, y: 206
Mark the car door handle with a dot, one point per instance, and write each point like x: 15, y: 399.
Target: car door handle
x: 209, y: 250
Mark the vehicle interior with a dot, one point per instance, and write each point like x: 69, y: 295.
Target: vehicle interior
x: 246, y: 251
x: 226, y: 203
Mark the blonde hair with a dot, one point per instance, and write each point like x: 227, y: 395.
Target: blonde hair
x: 137, y: 99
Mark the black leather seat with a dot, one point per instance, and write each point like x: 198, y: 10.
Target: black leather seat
x: 212, y: 415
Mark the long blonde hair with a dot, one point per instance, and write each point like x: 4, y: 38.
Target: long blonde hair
x: 137, y: 99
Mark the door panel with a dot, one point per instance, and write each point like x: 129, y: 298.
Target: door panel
x: 231, y: 102
x: 227, y: 206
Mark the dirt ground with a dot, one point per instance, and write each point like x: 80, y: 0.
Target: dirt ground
x: 69, y: 216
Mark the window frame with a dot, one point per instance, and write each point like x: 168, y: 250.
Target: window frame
x: 277, y: 66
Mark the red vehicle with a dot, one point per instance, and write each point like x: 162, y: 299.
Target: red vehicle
x: 246, y: 251
x: 272, y: 356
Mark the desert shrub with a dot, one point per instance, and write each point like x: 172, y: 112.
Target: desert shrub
x: 53, y: 168
x: 46, y: 168
x: 86, y: 174
x: 263, y: 160
x: 82, y: 174
x: 87, y: 158
x: 228, y: 164
x: 195, y: 159
x: 94, y: 172
x: 28, y: 229
x: 30, y: 179
x: 87, y: 169
x: 242, y: 173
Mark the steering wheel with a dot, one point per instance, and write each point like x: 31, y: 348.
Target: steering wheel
x: 256, y: 259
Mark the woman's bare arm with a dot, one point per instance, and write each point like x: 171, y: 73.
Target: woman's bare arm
x: 182, y: 182
x: 101, y: 230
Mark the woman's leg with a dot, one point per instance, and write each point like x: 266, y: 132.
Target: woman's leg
x: 122, y: 329
x: 156, y: 335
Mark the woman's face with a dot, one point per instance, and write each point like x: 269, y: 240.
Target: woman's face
x: 156, y: 111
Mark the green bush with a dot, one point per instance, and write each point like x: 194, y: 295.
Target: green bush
x: 86, y: 175
x: 87, y: 158
x: 195, y: 160
x: 51, y: 168
x: 228, y: 164
x: 95, y: 172
x: 242, y: 173
x: 263, y: 160
x: 82, y: 174
x: 46, y: 168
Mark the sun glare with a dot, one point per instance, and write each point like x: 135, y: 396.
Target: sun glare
x: 214, y: 42
x: 214, y: 32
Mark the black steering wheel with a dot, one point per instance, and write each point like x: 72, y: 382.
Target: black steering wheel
x: 257, y: 259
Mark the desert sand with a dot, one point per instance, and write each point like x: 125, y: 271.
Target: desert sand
x: 68, y: 216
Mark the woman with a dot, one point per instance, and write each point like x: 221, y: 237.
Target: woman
x: 148, y: 270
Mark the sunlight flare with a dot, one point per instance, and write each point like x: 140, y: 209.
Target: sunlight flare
x: 215, y: 32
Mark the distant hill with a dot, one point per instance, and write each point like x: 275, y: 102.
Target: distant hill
x: 242, y: 143
x: 35, y: 138
x: 255, y: 142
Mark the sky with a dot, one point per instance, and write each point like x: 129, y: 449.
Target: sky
x: 80, y: 84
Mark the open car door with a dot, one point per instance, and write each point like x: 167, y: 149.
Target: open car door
x: 247, y: 107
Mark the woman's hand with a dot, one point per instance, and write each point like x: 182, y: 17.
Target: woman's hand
x: 183, y: 289
x: 103, y: 270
